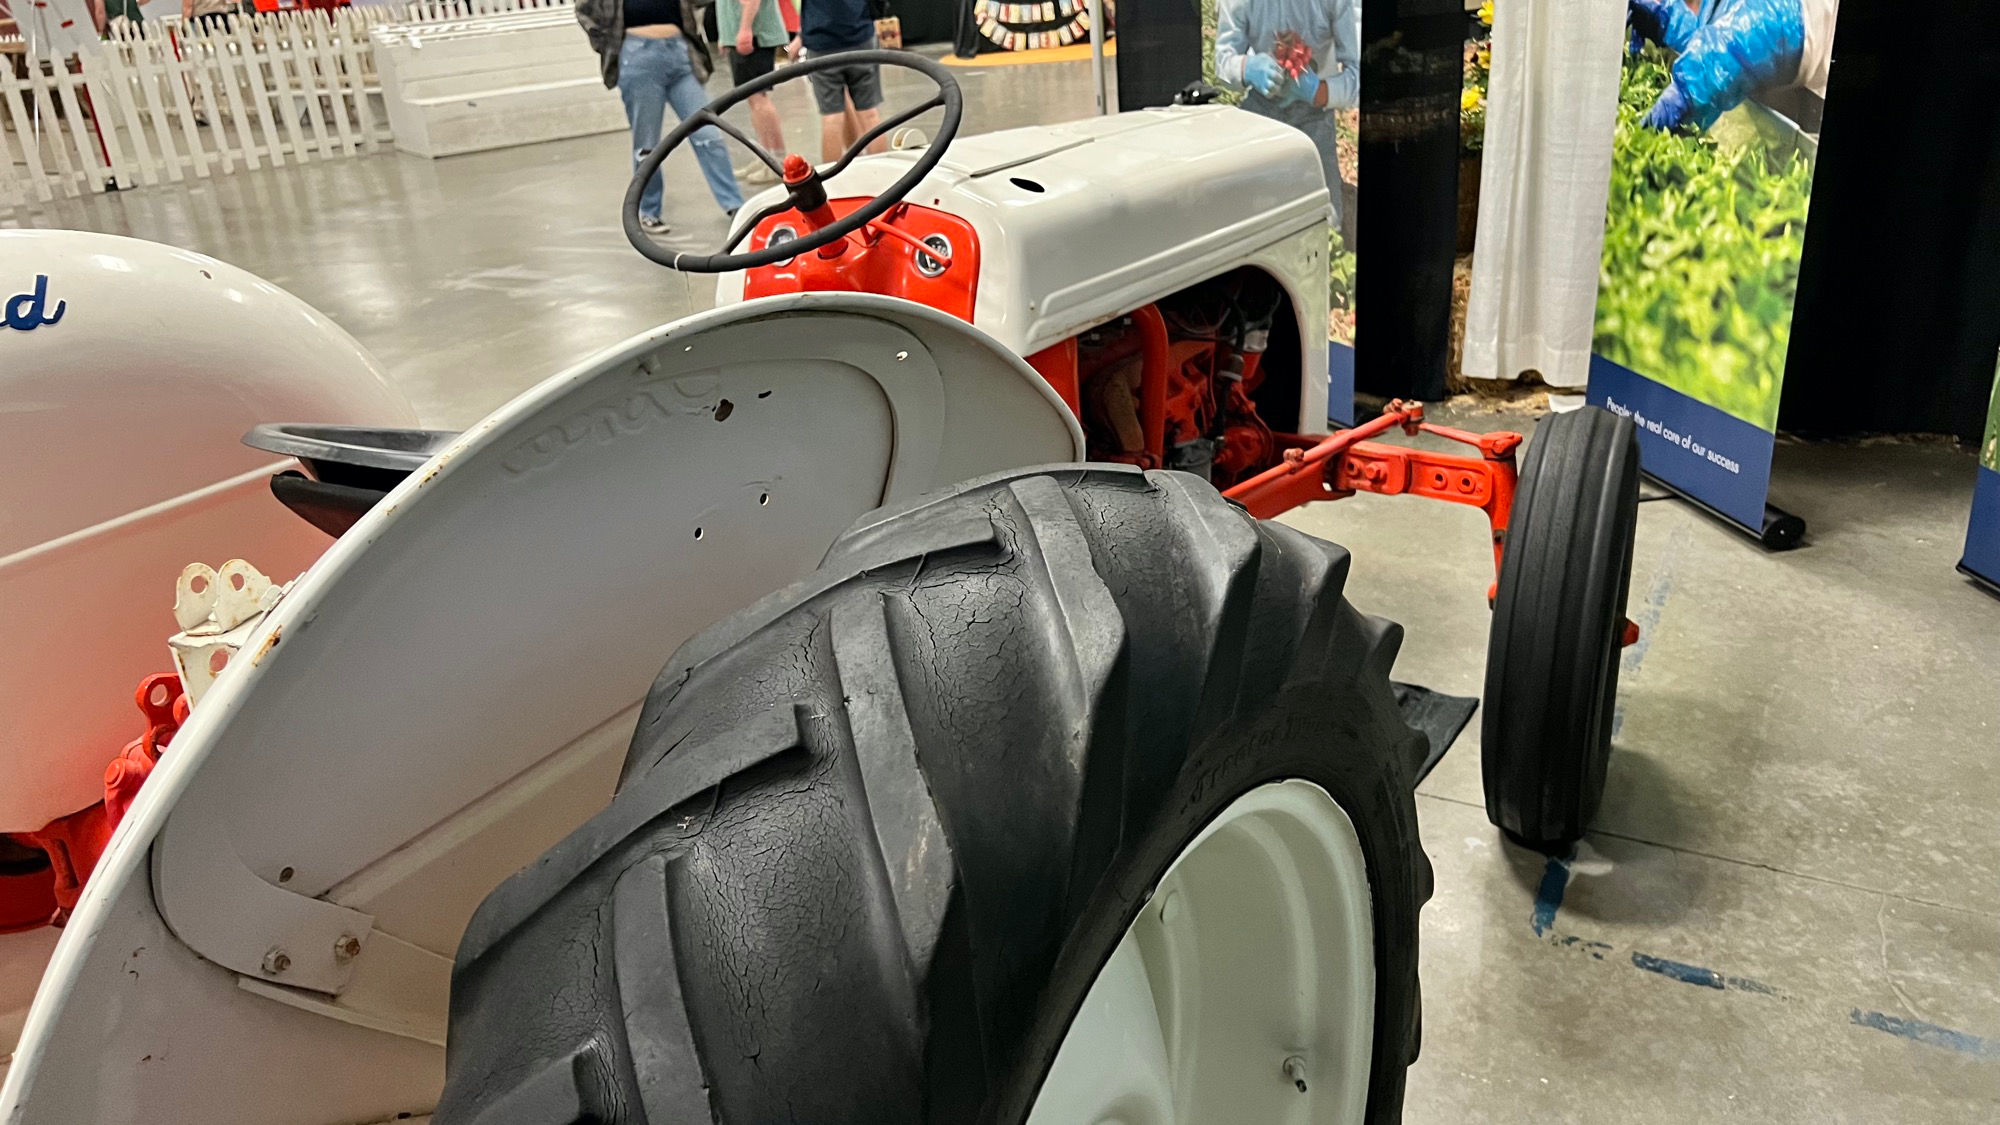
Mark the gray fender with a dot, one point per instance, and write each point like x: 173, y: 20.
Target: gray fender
x: 449, y: 690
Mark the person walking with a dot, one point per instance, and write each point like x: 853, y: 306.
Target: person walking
x: 827, y: 27
x: 653, y: 53
x: 758, y: 31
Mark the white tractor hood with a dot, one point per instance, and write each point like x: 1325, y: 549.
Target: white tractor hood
x: 1086, y: 220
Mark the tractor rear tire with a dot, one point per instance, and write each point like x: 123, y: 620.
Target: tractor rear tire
x: 878, y: 833
x: 1558, y: 615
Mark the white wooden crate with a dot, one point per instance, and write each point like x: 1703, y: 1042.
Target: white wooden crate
x: 492, y: 81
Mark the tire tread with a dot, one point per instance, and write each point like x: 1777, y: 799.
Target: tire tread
x: 991, y: 692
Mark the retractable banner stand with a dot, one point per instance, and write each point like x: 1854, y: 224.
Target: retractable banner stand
x: 1982, y: 538
x: 1299, y: 62
x: 1712, y: 171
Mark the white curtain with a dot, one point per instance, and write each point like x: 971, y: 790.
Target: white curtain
x: 1552, y: 103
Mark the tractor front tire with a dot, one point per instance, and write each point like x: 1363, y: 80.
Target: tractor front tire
x: 1558, y: 618
x: 879, y: 834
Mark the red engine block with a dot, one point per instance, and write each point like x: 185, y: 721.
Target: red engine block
x: 1131, y: 414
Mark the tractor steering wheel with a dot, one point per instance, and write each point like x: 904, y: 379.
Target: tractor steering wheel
x: 806, y: 187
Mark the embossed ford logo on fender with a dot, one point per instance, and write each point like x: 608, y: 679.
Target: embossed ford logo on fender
x: 617, y: 417
x: 25, y: 312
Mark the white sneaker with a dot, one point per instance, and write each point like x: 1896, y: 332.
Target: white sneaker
x: 756, y: 172
x: 653, y: 224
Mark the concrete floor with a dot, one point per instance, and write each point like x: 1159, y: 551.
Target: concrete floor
x: 1791, y: 908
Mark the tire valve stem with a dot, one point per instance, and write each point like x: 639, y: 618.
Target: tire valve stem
x: 1295, y: 1069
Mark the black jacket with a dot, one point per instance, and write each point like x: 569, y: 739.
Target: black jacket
x: 604, y: 25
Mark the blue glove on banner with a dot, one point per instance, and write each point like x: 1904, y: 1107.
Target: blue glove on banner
x: 1670, y: 23
x: 1746, y: 46
x: 1304, y: 88
x: 1670, y: 110
x: 1262, y: 73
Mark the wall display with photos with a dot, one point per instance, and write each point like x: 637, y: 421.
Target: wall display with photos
x: 1299, y: 61
x: 1982, y: 537
x: 1705, y: 224
x: 1033, y: 26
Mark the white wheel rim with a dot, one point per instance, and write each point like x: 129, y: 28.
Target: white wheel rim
x: 1251, y: 969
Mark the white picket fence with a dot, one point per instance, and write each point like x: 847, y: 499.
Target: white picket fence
x: 440, y: 11
x: 162, y: 102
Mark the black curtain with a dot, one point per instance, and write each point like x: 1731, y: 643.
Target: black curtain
x: 1898, y: 317
x: 1407, y: 229
x: 927, y: 21
x: 966, y: 40
x: 1159, y: 51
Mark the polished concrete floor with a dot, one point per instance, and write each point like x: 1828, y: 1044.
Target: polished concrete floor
x: 1790, y: 911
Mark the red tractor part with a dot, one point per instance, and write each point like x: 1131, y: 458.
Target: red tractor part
x: 38, y: 892
x: 1342, y: 464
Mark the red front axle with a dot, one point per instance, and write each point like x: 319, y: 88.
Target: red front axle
x: 1344, y: 463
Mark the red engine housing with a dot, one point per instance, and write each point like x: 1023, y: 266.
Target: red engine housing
x: 870, y: 262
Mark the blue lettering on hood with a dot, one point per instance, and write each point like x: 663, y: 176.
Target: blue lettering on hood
x: 28, y: 311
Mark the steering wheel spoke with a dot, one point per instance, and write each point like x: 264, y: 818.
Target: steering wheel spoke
x: 810, y: 185
x: 740, y: 137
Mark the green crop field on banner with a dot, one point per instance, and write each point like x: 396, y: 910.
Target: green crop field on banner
x: 1705, y: 225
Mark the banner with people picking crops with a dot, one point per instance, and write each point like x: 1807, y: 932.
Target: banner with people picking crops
x: 1299, y: 61
x: 1712, y: 172
x: 1982, y: 537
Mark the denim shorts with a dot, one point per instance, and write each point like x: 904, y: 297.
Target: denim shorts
x: 862, y: 80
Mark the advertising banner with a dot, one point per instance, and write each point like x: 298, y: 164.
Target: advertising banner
x: 1299, y: 61
x: 1982, y: 538
x: 1712, y: 172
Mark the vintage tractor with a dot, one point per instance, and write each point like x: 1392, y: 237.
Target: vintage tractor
x: 1001, y: 767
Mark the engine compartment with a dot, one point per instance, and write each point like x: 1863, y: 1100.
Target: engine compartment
x: 1187, y: 382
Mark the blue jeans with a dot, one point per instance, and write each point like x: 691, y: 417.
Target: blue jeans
x: 656, y: 73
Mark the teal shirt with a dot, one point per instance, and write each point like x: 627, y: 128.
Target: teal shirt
x: 767, y: 26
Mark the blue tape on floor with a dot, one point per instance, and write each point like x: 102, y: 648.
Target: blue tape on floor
x: 1699, y: 976
x: 1549, y: 896
x: 1745, y: 984
x: 1596, y: 949
x: 1678, y: 970
x: 1929, y: 1034
x: 1548, y: 900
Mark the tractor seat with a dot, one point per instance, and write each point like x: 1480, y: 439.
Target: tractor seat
x: 348, y: 468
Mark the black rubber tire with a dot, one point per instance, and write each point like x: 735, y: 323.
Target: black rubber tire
x: 1558, y: 614
x: 878, y: 833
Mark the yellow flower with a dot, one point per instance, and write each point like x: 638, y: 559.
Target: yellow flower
x: 1471, y: 99
x: 1486, y: 13
x: 1485, y: 58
